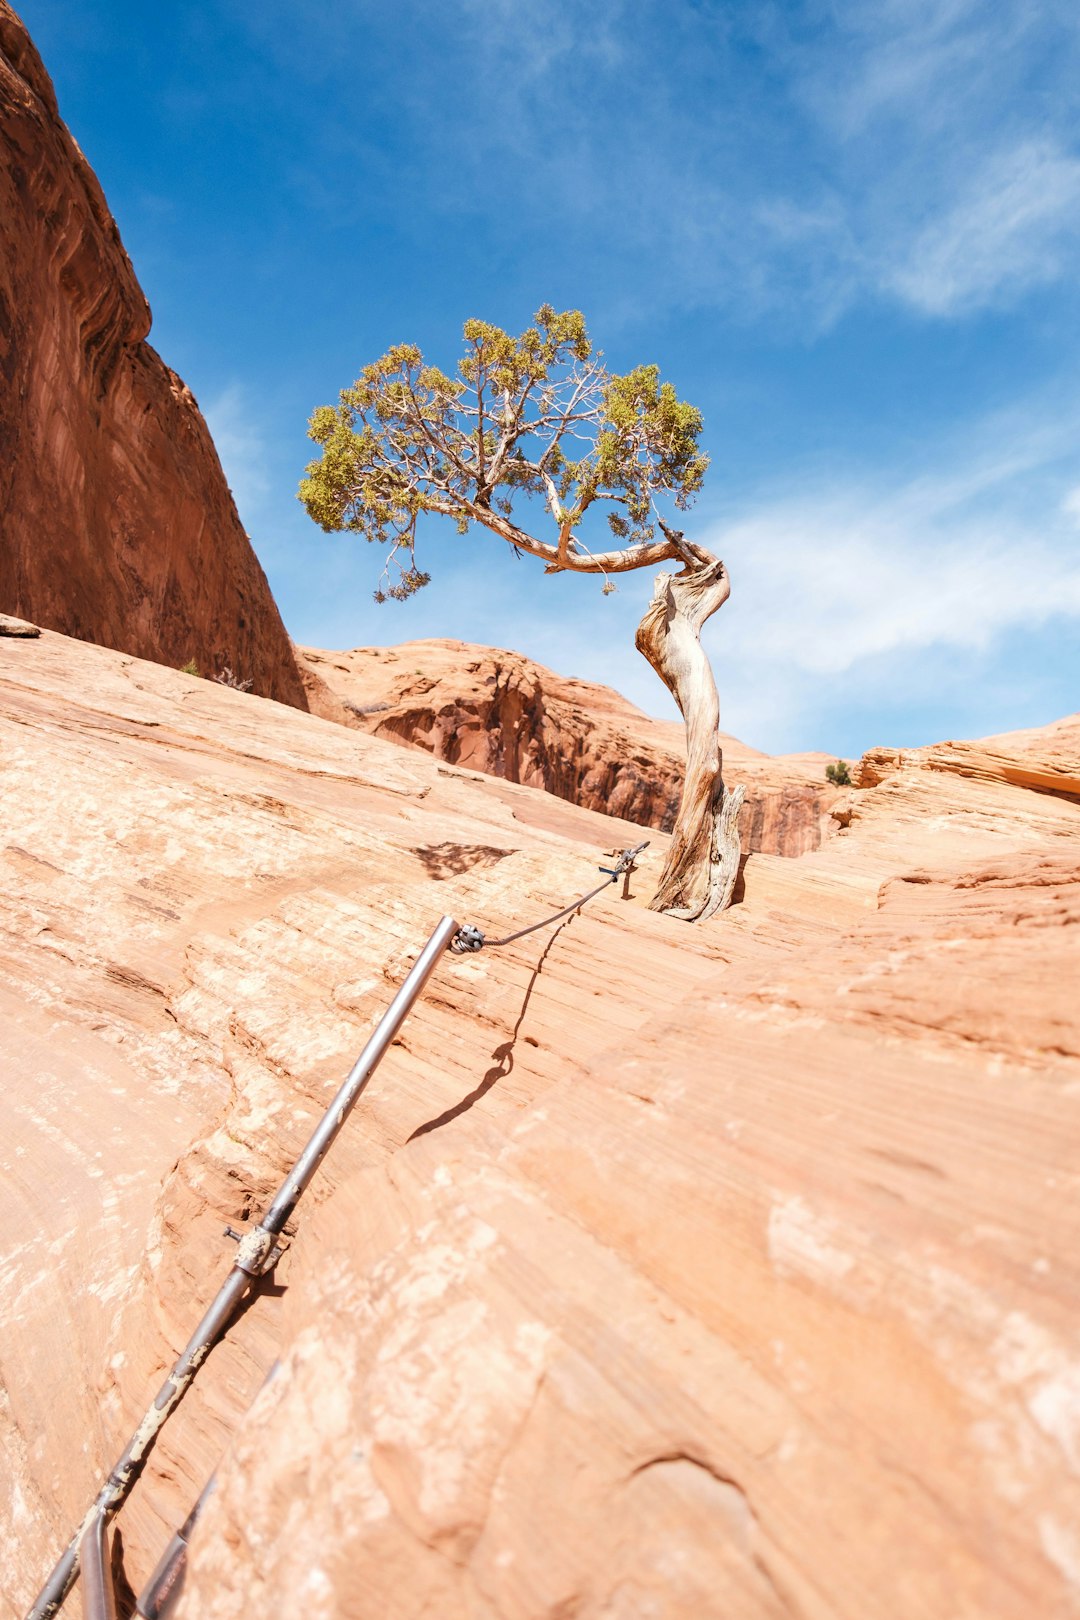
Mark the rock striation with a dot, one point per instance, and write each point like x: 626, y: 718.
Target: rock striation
x: 663, y: 1271
x: 1047, y: 770
x: 499, y: 712
x: 116, y: 523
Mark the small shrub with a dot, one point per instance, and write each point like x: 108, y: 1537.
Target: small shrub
x: 227, y: 678
x: 839, y: 774
x: 190, y: 668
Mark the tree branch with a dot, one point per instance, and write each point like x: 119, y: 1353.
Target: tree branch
x: 622, y: 562
x: 495, y: 522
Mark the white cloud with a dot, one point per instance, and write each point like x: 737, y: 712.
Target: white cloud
x: 874, y: 585
x: 825, y: 587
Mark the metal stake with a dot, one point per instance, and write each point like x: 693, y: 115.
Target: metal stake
x: 256, y: 1255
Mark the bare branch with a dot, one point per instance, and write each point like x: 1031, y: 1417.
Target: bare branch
x: 618, y: 562
x: 496, y: 523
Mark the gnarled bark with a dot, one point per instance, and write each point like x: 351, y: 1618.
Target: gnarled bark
x: 703, y: 861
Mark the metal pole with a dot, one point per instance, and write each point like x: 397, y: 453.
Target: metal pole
x: 162, y: 1590
x: 99, y: 1600
x: 322, y: 1138
x: 257, y: 1253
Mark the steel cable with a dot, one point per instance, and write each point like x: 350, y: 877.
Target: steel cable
x: 469, y: 939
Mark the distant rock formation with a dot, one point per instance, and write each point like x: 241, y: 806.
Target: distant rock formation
x: 498, y: 712
x: 116, y: 523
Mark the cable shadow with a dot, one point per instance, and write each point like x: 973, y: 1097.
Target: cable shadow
x: 504, y: 1053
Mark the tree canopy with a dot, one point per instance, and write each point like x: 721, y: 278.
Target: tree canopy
x: 536, y: 418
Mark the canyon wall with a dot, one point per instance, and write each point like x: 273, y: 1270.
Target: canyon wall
x: 116, y: 523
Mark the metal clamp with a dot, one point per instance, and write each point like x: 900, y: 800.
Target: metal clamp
x: 257, y: 1251
x: 623, y: 867
x: 467, y: 939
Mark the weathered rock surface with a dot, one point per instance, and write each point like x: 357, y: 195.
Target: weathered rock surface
x: 1047, y: 771
x: 663, y: 1271
x: 116, y: 523
x: 1060, y: 735
x: 498, y: 712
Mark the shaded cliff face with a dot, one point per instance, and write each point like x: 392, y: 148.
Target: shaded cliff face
x: 497, y: 711
x: 116, y: 523
x: 687, y: 1272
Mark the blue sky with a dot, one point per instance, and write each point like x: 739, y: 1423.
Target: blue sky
x: 848, y: 231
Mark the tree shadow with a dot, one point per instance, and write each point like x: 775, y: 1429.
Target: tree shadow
x: 504, y: 1054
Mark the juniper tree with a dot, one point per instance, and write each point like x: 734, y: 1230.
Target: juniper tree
x: 539, y: 422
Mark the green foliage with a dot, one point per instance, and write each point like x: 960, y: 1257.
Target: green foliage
x: 839, y: 774
x: 190, y: 668
x: 535, y: 417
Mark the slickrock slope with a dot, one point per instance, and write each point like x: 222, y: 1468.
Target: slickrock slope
x: 499, y: 712
x: 1050, y: 770
x: 116, y: 524
x: 663, y: 1271
x: 1060, y: 736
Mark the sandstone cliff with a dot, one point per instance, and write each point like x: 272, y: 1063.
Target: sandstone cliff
x: 496, y: 711
x: 116, y: 524
x: 663, y: 1271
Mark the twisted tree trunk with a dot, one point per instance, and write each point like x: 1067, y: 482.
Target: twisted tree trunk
x: 703, y: 861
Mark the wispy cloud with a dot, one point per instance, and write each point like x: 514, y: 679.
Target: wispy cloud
x: 788, y: 160
x: 862, y: 64
x: 873, y: 582
x: 945, y: 143
x: 823, y: 587
x: 1016, y: 225
x: 924, y: 151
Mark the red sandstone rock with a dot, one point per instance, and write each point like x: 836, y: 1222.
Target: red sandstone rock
x: 499, y: 712
x: 116, y: 524
x: 663, y: 1271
